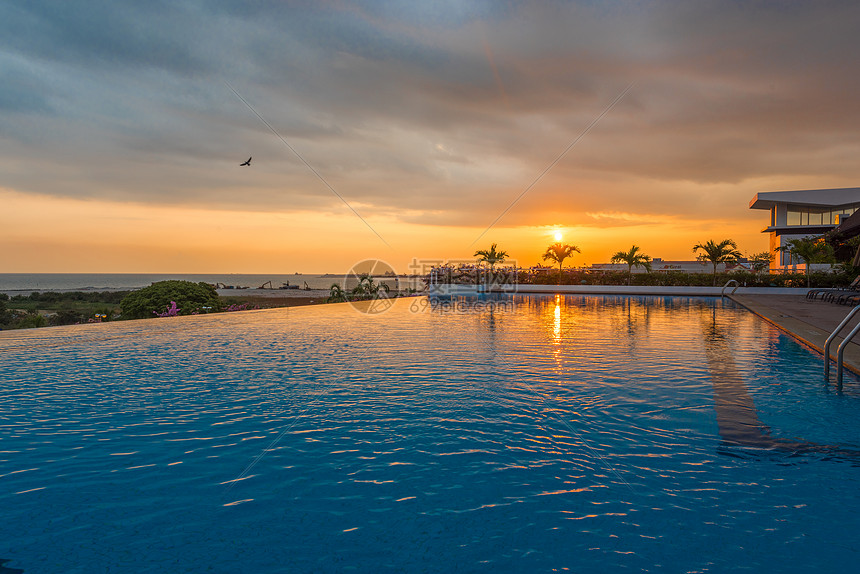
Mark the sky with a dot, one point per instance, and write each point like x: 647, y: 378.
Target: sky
x: 409, y: 131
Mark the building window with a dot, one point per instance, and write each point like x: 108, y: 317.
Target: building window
x: 796, y: 215
x: 793, y: 218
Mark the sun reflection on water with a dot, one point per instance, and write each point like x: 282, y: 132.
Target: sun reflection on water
x: 556, y: 326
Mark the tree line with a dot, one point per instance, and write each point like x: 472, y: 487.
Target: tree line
x: 807, y: 250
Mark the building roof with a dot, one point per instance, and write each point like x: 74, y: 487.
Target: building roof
x: 799, y: 229
x: 812, y: 197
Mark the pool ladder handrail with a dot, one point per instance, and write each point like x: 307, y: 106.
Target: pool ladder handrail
x: 840, y: 351
x: 729, y: 282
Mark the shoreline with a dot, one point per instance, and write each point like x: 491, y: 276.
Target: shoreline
x: 274, y: 294
x: 278, y: 298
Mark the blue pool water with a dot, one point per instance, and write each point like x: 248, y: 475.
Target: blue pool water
x: 536, y: 434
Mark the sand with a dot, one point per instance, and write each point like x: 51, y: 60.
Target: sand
x: 277, y: 297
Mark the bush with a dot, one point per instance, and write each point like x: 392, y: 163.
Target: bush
x: 6, y: 316
x: 66, y: 317
x: 683, y: 279
x: 189, y: 297
x: 30, y: 321
x: 67, y: 296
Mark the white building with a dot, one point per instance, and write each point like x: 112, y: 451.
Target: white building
x: 658, y: 265
x: 806, y: 213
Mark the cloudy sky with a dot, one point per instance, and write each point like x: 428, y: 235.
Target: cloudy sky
x: 403, y: 130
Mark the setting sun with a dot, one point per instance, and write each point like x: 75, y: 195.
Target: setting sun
x: 557, y: 235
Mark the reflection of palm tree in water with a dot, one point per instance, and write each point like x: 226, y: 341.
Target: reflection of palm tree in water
x: 491, y: 321
x: 737, y: 417
x: 632, y: 320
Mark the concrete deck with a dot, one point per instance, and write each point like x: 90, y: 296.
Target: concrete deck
x: 809, y: 321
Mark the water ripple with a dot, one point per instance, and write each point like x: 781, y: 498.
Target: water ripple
x: 563, y: 433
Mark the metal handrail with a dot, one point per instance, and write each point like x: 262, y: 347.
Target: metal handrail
x: 829, y: 340
x: 729, y: 282
x: 840, y: 351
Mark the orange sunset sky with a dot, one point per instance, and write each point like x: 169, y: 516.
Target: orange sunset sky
x: 121, y: 135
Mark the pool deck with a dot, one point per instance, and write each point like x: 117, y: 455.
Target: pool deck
x: 809, y: 321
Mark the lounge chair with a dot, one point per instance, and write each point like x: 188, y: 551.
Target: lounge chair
x: 844, y: 297
x: 849, y: 299
x: 830, y: 293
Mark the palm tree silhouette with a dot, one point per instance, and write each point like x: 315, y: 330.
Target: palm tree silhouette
x: 336, y: 295
x: 726, y: 251
x: 367, y: 288
x: 491, y: 256
x: 558, y: 253
x: 633, y: 259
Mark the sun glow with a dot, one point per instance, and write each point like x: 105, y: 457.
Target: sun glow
x: 557, y: 235
x: 556, y: 324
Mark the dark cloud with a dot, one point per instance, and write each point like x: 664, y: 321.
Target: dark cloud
x: 433, y: 113
x: 108, y: 34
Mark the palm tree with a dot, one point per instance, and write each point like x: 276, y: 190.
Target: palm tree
x: 558, y: 253
x: 811, y: 250
x: 491, y: 256
x: 336, y: 295
x: 726, y: 251
x: 633, y: 259
x: 367, y: 288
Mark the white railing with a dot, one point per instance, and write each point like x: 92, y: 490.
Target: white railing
x: 840, y: 350
x: 729, y: 282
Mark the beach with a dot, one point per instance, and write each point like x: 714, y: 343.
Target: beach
x: 277, y: 297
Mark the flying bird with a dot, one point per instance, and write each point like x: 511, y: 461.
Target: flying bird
x: 248, y: 163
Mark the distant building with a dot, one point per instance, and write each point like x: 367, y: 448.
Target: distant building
x: 658, y: 265
x: 799, y: 214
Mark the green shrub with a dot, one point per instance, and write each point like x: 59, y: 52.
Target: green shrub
x: 6, y: 316
x: 66, y: 317
x: 682, y: 279
x: 189, y: 297
x: 30, y: 321
x: 67, y: 296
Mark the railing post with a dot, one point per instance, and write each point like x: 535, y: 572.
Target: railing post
x: 841, y: 351
x: 729, y: 282
x: 830, y: 339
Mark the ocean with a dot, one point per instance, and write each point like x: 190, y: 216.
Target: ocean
x: 29, y: 282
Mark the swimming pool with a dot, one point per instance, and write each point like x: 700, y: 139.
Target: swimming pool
x: 520, y: 434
